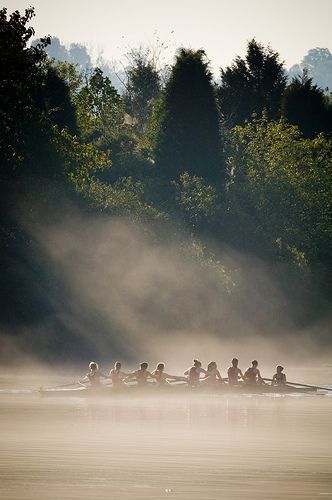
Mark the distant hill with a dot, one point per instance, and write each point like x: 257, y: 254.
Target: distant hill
x: 77, y: 53
x: 318, y: 62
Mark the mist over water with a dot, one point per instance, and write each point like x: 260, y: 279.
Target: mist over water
x: 126, y: 291
x: 188, y: 447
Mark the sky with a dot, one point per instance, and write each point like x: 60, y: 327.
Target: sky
x: 222, y: 28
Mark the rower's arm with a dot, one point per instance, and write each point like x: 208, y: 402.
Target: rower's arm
x: 241, y: 374
x: 218, y: 375
x: 130, y: 375
x: 260, y: 377
x: 186, y: 372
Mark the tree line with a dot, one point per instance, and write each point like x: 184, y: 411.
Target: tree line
x: 246, y: 161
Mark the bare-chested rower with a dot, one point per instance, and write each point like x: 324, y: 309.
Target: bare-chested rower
x: 161, y: 377
x: 234, y: 373
x: 94, y: 375
x: 141, y: 375
x: 279, y: 378
x: 212, y: 374
x: 252, y: 375
x: 117, y: 375
x: 193, y: 373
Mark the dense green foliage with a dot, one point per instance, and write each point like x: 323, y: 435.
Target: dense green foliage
x: 284, y: 181
x: 304, y: 104
x: 69, y: 141
x: 188, y: 136
x: 252, y: 85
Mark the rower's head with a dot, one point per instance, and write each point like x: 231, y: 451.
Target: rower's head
x: 160, y: 367
x: 117, y: 365
x: 143, y: 366
x: 197, y: 364
x: 235, y: 362
x: 280, y: 368
x: 93, y: 366
x: 211, y: 366
x: 254, y: 363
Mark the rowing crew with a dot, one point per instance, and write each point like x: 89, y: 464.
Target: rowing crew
x: 194, y: 376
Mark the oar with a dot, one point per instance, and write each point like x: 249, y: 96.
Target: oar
x: 60, y: 386
x: 303, y: 385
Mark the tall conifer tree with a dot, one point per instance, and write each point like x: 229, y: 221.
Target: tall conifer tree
x: 188, y: 136
x: 253, y: 84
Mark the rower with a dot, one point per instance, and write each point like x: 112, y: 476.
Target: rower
x: 162, y: 377
x: 141, y: 375
x: 117, y: 375
x: 212, y: 374
x: 193, y: 373
x: 234, y: 373
x: 252, y: 375
x: 279, y: 378
x: 94, y: 375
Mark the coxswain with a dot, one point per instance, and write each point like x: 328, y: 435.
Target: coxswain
x: 234, y: 373
x: 279, y: 378
x: 212, y: 374
x: 94, y: 375
x: 252, y: 375
x: 193, y: 373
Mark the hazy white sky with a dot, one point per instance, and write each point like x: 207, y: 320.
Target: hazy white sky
x: 221, y: 27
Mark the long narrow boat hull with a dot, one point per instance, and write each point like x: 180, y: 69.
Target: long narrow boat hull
x: 152, y: 389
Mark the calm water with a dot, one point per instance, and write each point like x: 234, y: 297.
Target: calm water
x: 206, y: 447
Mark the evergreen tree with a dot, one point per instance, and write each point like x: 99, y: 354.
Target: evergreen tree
x: 188, y: 135
x: 58, y: 103
x: 304, y: 104
x: 252, y: 85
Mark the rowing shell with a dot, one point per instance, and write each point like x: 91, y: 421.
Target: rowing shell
x: 169, y: 389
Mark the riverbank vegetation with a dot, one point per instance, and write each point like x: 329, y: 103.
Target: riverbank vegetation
x: 245, y: 164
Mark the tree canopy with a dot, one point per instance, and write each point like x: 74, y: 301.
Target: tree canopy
x: 188, y: 137
x: 251, y: 85
x: 304, y: 104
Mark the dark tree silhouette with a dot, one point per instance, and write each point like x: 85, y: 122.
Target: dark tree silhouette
x: 21, y: 80
x: 252, y: 85
x: 304, y: 104
x: 58, y: 104
x: 188, y: 134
